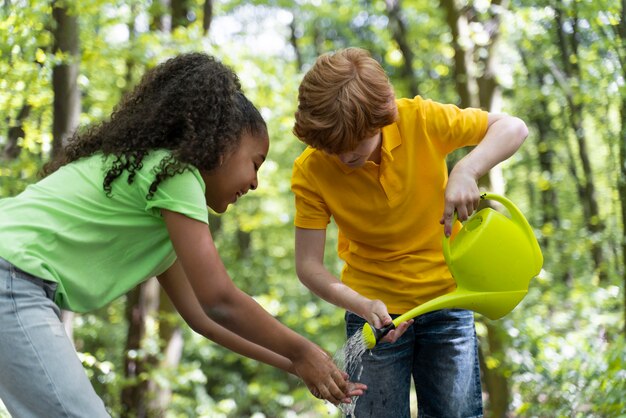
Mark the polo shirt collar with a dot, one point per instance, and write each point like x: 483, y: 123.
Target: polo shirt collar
x: 391, y: 140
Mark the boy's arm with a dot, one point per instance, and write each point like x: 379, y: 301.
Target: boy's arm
x: 233, y: 309
x: 177, y: 287
x: 505, y: 134
x: 312, y: 273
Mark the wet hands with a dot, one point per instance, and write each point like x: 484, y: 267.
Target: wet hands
x: 353, y: 389
x: 324, y: 379
x: 462, y: 196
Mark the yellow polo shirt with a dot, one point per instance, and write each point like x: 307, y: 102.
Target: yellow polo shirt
x: 388, y: 213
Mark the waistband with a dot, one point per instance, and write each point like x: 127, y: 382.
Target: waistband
x: 4, y: 263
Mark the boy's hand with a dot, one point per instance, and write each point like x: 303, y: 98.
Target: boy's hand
x: 462, y: 196
x: 376, y: 314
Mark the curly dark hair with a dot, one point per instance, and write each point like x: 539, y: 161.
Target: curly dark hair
x: 191, y: 105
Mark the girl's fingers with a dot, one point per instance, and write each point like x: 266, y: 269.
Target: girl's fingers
x: 336, y: 394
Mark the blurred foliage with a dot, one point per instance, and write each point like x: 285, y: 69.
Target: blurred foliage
x: 565, y: 354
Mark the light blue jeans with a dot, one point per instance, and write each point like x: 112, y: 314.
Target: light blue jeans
x: 40, y: 373
x: 440, y: 351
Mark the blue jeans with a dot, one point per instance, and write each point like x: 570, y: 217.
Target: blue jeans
x: 440, y: 351
x: 40, y: 373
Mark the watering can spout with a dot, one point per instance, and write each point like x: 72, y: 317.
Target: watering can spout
x: 492, y: 259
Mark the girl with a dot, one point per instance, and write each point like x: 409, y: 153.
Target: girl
x: 127, y: 201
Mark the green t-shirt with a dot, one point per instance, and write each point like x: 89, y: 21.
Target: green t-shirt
x: 67, y: 230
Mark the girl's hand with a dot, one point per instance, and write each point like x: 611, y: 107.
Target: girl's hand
x: 462, y: 195
x: 323, y: 378
x: 354, y: 389
x: 376, y: 314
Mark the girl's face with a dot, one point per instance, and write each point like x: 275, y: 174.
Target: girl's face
x: 368, y: 149
x: 237, y: 174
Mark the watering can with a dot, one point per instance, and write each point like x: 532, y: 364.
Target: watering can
x: 492, y: 259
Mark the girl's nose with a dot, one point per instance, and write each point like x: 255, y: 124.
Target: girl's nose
x: 254, y: 184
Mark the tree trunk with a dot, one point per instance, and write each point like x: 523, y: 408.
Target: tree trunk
x: 207, y: 15
x: 142, y: 301
x: 180, y: 11
x: 568, y: 45
x: 293, y: 40
x: 621, y: 187
x: 65, y: 77
x: 132, y: 395
x: 171, y: 339
x: 465, y: 82
x: 318, y: 38
x: 12, y: 149
x: 399, y: 34
x: 541, y: 119
x: 622, y: 152
x: 495, y: 381
x: 463, y: 75
x: 160, y: 20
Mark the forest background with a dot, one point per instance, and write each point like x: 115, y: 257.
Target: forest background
x: 558, y: 65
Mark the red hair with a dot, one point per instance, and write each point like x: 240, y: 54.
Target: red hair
x: 344, y: 98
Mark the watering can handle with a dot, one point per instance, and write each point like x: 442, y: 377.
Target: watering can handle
x: 516, y: 216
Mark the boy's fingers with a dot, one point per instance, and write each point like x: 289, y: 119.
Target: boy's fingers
x: 448, y: 218
x: 462, y: 213
x: 393, y: 335
x: 447, y: 228
x: 377, y: 322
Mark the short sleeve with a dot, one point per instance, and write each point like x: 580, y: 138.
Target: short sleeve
x: 453, y: 127
x: 182, y: 193
x: 311, y: 210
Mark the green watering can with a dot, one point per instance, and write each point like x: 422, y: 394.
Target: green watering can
x: 492, y: 259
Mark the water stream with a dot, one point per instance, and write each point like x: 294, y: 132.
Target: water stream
x: 349, y: 359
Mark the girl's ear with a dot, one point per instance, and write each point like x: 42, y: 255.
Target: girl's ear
x: 221, y: 160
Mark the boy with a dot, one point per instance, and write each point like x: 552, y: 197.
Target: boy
x: 377, y: 166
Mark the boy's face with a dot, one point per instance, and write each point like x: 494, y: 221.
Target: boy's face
x: 237, y: 174
x: 368, y: 149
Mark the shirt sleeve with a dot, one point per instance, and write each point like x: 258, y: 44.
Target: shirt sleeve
x: 311, y: 210
x: 182, y: 193
x: 453, y: 127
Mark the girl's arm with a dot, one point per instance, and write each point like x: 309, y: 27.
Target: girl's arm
x: 505, y: 134
x: 233, y: 309
x: 177, y: 287
x: 314, y: 275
